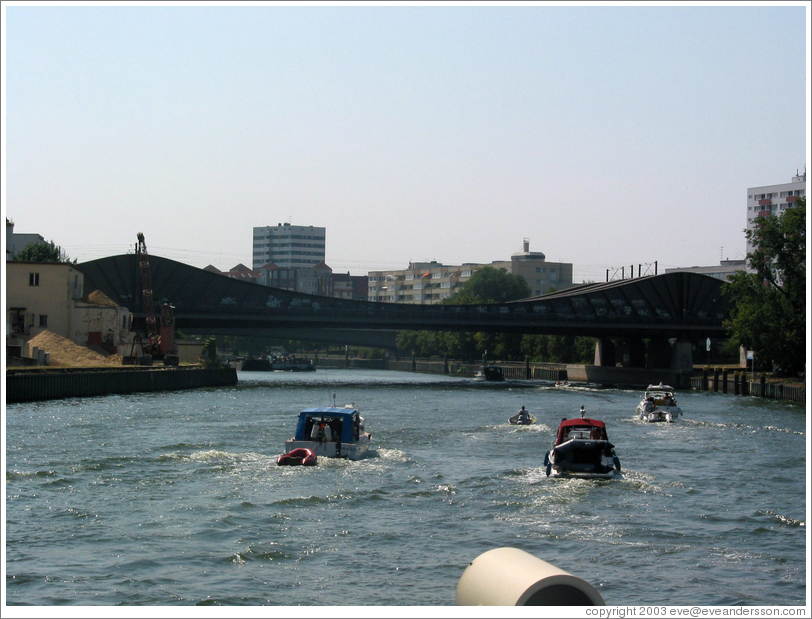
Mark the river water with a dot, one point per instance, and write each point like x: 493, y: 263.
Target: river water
x: 176, y: 498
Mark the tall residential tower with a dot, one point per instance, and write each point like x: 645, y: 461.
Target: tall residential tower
x: 288, y: 246
x: 773, y: 199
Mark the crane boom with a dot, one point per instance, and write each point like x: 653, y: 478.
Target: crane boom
x: 146, y: 285
x: 161, y: 341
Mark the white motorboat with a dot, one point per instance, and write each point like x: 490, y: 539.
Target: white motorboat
x: 658, y: 404
x: 331, y: 432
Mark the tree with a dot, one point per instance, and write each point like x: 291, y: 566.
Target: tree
x: 490, y: 285
x: 769, y: 300
x: 487, y: 285
x: 42, y: 252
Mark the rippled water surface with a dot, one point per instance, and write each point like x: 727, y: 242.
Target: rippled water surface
x: 176, y: 498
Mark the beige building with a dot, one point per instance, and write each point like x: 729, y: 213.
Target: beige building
x: 44, y: 296
x: 540, y: 275
x: 432, y: 282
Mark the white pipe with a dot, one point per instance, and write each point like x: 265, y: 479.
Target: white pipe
x: 512, y: 577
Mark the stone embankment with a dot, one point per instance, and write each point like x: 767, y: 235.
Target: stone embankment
x: 77, y: 371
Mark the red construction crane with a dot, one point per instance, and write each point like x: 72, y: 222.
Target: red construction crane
x: 160, y: 340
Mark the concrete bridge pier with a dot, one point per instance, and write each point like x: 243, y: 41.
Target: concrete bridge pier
x: 630, y: 353
x: 605, y: 352
x: 682, y: 356
x: 662, y: 353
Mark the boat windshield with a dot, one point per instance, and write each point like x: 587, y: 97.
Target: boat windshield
x: 572, y: 430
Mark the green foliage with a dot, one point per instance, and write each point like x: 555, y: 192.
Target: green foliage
x: 769, y: 301
x: 559, y: 348
x: 209, y: 354
x: 490, y: 285
x: 42, y: 252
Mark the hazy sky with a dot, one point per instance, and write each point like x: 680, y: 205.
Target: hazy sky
x: 606, y: 135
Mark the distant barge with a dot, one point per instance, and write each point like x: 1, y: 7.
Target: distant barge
x: 285, y: 365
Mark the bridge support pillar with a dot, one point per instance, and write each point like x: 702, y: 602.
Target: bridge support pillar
x: 677, y: 356
x: 682, y: 356
x: 604, y: 352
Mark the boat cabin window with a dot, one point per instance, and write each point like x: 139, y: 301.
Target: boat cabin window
x: 585, y: 434
x: 330, y: 431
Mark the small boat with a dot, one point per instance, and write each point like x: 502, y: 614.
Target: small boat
x: 331, y: 432
x: 489, y: 372
x: 658, y: 404
x: 582, y: 449
x: 562, y: 383
x: 300, y: 456
x: 517, y: 421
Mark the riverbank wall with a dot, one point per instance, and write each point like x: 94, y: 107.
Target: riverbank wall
x: 734, y: 381
x: 527, y: 371
x: 31, y: 385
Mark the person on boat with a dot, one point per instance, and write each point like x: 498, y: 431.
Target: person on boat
x: 524, y: 416
x: 323, y: 432
x: 583, y: 411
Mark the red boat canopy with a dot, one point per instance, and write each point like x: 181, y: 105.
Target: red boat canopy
x: 568, y: 424
x: 586, y: 422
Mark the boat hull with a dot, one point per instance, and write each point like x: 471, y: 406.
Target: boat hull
x: 331, y: 449
x: 514, y: 421
x: 667, y: 414
x: 583, y: 458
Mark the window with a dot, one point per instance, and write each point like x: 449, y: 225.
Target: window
x: 33, y: 279
x: 43, y: 320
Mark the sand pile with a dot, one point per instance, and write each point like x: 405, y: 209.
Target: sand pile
x: 67, y: 353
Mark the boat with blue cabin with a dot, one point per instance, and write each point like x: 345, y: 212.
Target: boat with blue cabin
x: 331, y: 432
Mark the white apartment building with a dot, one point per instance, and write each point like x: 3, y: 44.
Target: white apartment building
x: 432, y: 282
x: 288, y: 246
x: 773, y: 199
x: 723, y: 271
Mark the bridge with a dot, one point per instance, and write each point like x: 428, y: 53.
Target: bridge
x: 664, y: 309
